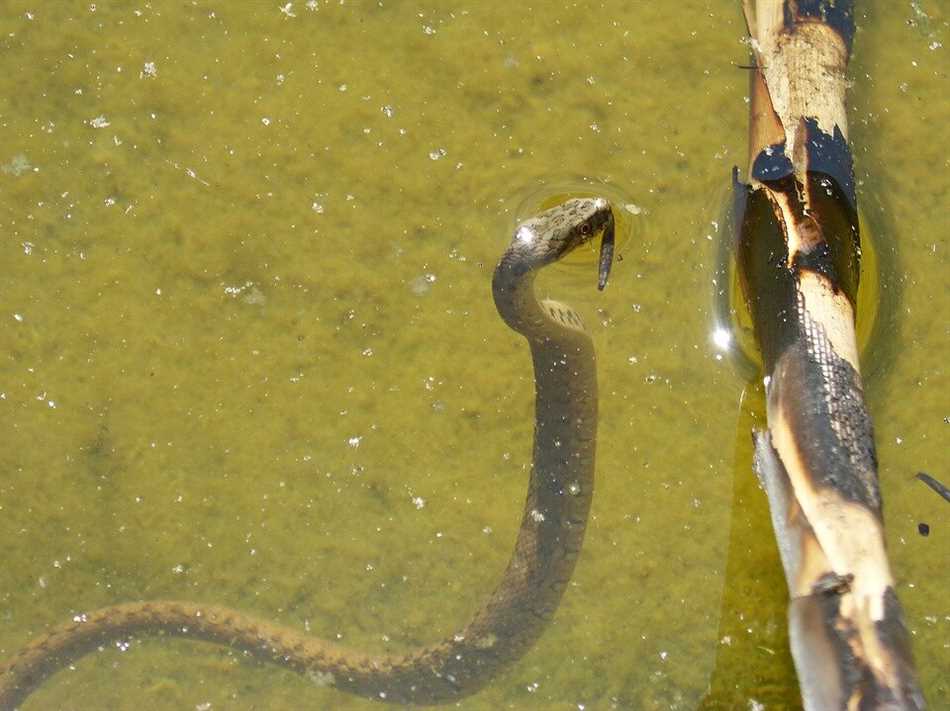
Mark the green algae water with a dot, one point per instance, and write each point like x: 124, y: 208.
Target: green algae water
x: 249, y: 354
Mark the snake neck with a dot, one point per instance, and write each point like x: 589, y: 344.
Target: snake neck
x: 565, y: 379
x: 541, y: 322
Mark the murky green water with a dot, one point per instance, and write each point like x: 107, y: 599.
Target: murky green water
x: 249, y: 354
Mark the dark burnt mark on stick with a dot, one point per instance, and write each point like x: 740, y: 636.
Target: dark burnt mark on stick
x: 771, y: 164
x: 830, y: 227
x: 835, y: 651
x: 838, y: 15
x: 833, y: 584
x: 830, y: 155
x: 892, y: 631
x: 822, y: 213
x: 820, y: 394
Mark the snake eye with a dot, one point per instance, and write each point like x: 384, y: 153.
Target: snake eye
x: 585, y: 229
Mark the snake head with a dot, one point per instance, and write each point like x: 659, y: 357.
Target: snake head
x: 556, y: 232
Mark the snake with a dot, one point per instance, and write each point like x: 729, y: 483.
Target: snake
x: 549, y: 540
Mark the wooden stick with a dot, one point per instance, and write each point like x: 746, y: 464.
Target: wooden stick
x: 798, y: 257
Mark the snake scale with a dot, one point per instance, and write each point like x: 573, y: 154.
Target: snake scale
x: 547, y: 547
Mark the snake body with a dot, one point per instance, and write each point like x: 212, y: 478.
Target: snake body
x: 548, y: 543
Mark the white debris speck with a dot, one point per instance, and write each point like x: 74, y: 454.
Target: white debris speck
x: 17, y: 166
x: 591, y: 80
x: 342, y: 87
x: 149, y: 71
x: 235, y: 290
x: 422, y: 284
x: 288, y: 9
x: 354, y: 442
x: 532, y: 687
x: 312, y: 5
x: 487, y: 530
x: 99, y: 122
x: 429, y: 30
x: 633, y: 360
x: 437, y: 154
x: 388, y: 110
x: 367, y: 352
x: 320, y: 678
x: 536, y: 516
x: 18, y: 317
x: 265, y: 120
x: 756, y: 705
x: 317, y: 207
x: 664, y: 655
x: 595, y: 127
x: 633, y: 209
x: 27, y: 248
x: 418, y: 502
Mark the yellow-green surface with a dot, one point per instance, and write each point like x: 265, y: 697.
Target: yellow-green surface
x: 248, y: 353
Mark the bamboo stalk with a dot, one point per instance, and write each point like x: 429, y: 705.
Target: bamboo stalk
x: 799, y: 251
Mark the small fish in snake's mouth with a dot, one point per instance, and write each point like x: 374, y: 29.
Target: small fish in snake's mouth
x: 605, y: 261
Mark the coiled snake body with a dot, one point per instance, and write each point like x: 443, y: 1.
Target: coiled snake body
x: 548, y: 543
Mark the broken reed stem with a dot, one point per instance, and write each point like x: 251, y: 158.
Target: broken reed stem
x: 798, y: 261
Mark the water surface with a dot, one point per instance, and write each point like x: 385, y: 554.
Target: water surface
x: 250, y: 356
